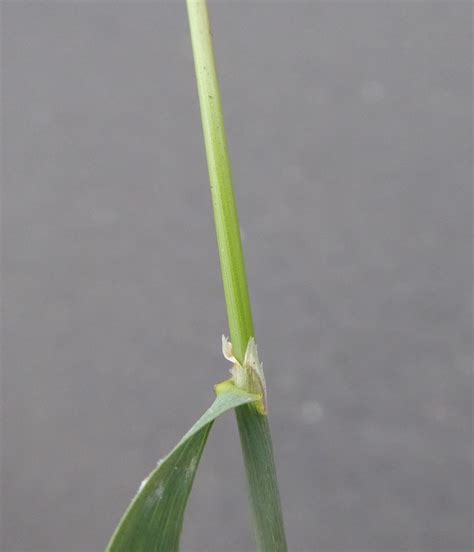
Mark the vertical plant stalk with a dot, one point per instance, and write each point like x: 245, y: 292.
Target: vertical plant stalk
x: 253, y: 427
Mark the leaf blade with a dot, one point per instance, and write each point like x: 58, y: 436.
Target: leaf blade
x: 154, y: 518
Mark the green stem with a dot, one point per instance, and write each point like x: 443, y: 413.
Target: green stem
x: 253, y: 428
x: 220, y: 175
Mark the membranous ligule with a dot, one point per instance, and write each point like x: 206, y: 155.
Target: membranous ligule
x: 247, y: 376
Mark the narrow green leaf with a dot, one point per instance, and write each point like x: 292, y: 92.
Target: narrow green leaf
x: 154, y: 519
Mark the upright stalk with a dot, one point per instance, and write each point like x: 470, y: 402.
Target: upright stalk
x: 253, y: 427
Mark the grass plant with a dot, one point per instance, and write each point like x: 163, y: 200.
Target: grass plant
x: 154, y: 519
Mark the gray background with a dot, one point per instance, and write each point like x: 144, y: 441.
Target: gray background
x: 350, y: 133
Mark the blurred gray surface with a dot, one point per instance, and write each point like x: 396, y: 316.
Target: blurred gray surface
x: 350, y: 133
